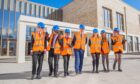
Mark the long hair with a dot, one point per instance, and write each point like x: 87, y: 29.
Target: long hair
x: 97, y: 35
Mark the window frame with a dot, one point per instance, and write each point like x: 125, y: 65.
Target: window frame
x: 107, y: 17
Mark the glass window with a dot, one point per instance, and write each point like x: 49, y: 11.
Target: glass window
x: 40, y: 11
x: 37, y: 10
x: 5, y: 4
x: 120, y: 23
x: 32, y: 10
x: 18, y: 6
x: 43, y: 12
x: 12, y: 2
x: 5, y: 24
x: 23, y: 5
x: 4, y: 33
x: 0, y: 4
x: 107, y: 17
x: 11, y: 33
x: 136, y: 43
x: 108, y: 35
x: 1, y: 17
x: 28, y: 9
x: 46, y: 11
x: 129, y: 43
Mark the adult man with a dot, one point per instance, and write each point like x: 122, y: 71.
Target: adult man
x: 38, y: 44
x: 79, y: 41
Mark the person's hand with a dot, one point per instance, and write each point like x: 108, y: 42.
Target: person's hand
x: 44, y: 51
x: 69, y: 45
x: 31, y: 52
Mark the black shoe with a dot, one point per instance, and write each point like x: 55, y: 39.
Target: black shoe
x: 38, y: 77
x: 105, y: 69
x: 55, y: 75
x: 80, y: 72
x: 108, y: 70
x: 114, y: 66
x: 97, y: 71
x: 77, y: 73
x: 120, y: 70
x: 65, y: 74
x: 68, y: 74
x: 50, y: 74
x: 33, y: 77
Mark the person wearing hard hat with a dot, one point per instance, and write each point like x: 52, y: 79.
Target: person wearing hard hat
x: 66, y: 51
x: 38, y: 44
x: 79, y: 42
x: 95, y: 49
x: 105, y: 50
x: 117, y: 41
x: 54, y: 48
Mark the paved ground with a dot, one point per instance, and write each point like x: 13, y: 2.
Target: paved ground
x: 12, y: 73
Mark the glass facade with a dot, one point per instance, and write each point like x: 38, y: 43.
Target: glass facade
x: 10, y: 11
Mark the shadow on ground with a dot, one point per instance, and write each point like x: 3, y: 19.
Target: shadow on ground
x: 27, y: 75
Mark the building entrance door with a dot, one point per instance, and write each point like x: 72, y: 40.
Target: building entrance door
x: 11, y: 48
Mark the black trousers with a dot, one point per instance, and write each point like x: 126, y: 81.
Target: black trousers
x: 66, y: 59
x: 37, y: 58
x: 95, y: 60
x: 50, y: 61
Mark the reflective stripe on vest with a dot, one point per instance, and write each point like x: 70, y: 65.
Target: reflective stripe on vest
x: 118, y: 46
x: 67, y: 50
x: 95, y: 45
x: 38, y: 41
x: 80, y: 41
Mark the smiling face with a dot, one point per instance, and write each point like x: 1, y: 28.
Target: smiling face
x: 95, y: 34
x: 103, y: 34
x: 67, y: 34
x: 55, y: 32
x: 38, y: 29
x: 116, y: 33
x: 81, y: 30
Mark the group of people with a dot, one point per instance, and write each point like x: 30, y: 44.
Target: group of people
x: 63, y: 45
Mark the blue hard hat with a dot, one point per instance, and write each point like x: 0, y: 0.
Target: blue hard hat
x: 103, y: 31
x: 95, y: 30
x: 55, y: 28
x: 81, y: 26
x: 116, y: 29
x: 41, y: 25
x: 67, y: 30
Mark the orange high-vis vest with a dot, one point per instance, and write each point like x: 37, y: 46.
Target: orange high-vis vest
x: 118, y: 46
x: 67, y: 50
x: 38, y: 41
x: 95, y: 46
x: 80, y: 41
x: 105, y: 46
x: 56, y: 46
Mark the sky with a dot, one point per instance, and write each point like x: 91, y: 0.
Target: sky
x: 61, y: 3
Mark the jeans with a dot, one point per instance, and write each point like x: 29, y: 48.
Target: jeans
x: 50, y: 61
x: 66, y: 63
x: 37, y: 57
x: 79, y: 56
